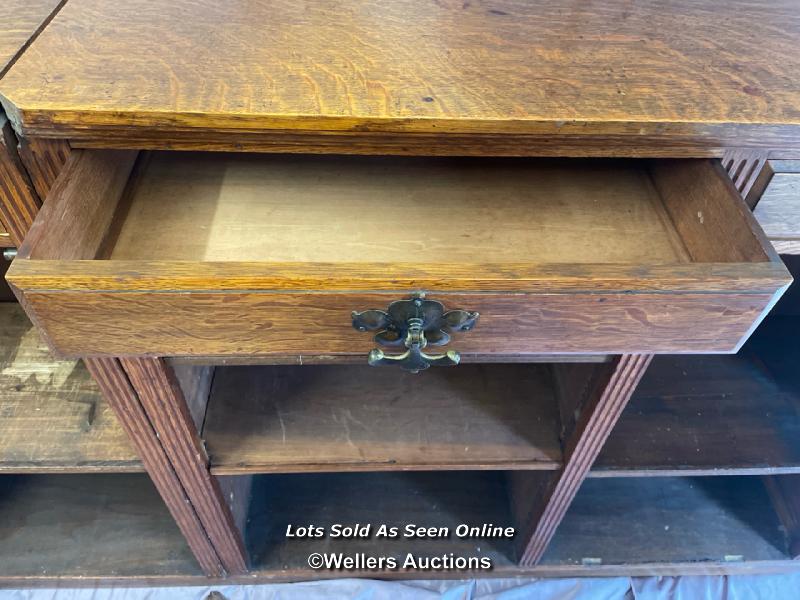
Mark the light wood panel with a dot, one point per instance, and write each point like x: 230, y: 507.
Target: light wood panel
x: 20, y: 22
x: 223, y: 207
x: 778, y: 208
x: 286, y: 419
x: 673, y: 73
x: 74, y: 222
x: 52, y: 415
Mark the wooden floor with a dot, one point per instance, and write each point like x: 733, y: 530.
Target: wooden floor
x: 346, y: 418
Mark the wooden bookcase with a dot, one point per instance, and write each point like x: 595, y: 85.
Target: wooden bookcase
x: 218, y: 353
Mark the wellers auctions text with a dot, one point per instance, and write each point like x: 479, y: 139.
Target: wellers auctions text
x: 364, y: 562
x: 409, y: 531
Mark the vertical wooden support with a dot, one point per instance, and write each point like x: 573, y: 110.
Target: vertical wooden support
x: 161, y: 396
x: 116, y: 388
x: 594, y: 423
x: 43, y: 160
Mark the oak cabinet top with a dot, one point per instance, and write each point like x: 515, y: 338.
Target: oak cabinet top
x: 19, y: 22
x: 698, y: 71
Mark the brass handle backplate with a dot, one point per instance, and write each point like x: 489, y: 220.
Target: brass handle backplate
x: 415, y: 324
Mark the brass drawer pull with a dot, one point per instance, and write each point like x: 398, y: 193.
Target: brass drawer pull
x: 415, y: 324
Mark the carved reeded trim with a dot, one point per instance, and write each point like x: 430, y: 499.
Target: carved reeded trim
x: 19, y: 202
x: 161, y: 397
x: 116, y: 388
x: 43, y: 160
x: 744, y: 168
x: 582, y: 447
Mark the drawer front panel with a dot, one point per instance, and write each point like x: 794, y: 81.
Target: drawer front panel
x: 239, y: 323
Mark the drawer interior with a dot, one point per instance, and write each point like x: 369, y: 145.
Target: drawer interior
x: 266, y: 208
x: 233, y: 207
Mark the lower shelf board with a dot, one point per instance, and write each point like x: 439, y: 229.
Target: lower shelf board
x: 52, y: 415
x: 669, y: 520
x: 694, y: 415
x: 395, y: 499
x: 85, y: 527
x: 627, y: 526
x: 359, y: 418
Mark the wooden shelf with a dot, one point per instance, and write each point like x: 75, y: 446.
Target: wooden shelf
x: 356, y: 418
x: 52, y: 416
x: 396, y: 499
x: 714, y: 414
x: 670, y: 521
x: 100, y: 526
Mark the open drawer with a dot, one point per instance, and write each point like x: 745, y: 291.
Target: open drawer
x: 204, y: 254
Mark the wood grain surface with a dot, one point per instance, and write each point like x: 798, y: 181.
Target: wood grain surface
x: 117, y: 388
x: 778, y: 206
x: 52, y: 415
x: 668, y: 520
x: 277, y: 210
x: 79, y: 526
x: 707, y: 415
x: 5, y: 237
x: 696, y: 73
x: 217, y: 324
x: 74, y: 222
x: 358, y: 418
x: 43, y: 160
x: 745, y: 168
x: 19, y: 202
x: 46, y: 159
x: 600, y: 412
x: 20, y: 22
x: 232, y: 207
x: 161, y: 397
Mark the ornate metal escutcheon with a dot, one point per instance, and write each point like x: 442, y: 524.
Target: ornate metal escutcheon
x: 415, y: 324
